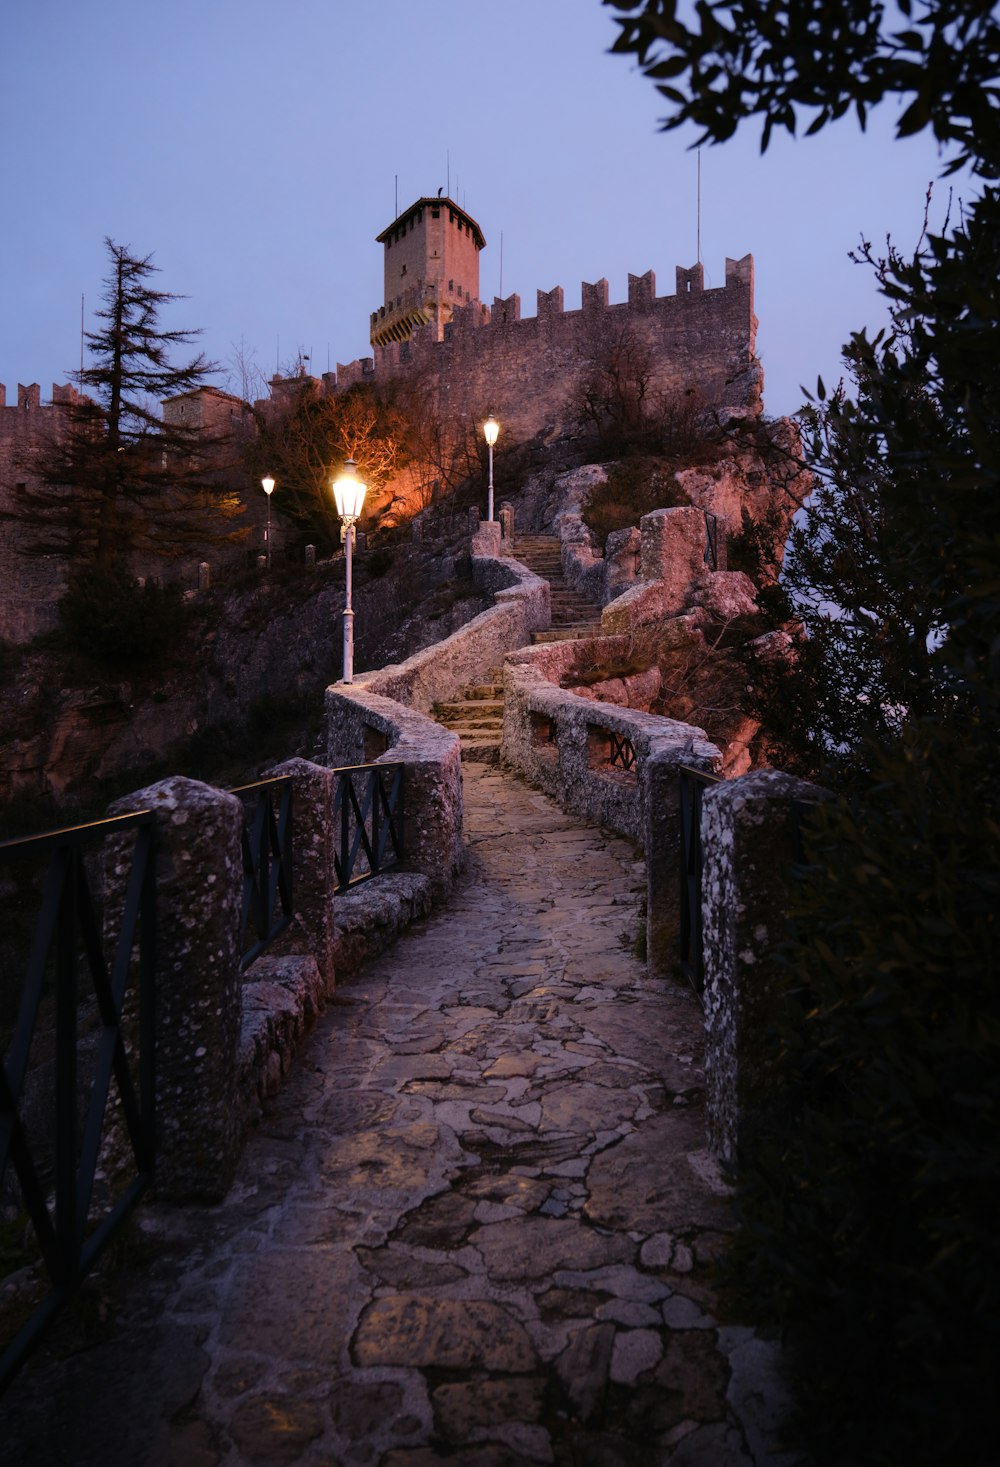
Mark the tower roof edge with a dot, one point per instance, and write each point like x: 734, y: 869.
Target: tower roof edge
x: 435, y: 202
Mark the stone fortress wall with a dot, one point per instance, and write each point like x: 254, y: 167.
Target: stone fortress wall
x: 31, y: 583
x: 525, y: 370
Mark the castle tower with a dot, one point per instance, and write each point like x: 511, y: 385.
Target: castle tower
x: 431, y: 266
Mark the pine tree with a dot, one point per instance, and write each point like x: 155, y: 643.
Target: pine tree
x: 119, y: 481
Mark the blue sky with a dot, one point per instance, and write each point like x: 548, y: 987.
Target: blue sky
x: 254, y: 149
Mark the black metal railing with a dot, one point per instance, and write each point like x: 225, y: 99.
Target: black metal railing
x: 711, y: 541
x: 267, y: 906
x: 66, y: 1044
x: 368, y: 809
x: 622, y: 752
x: 692, y: 784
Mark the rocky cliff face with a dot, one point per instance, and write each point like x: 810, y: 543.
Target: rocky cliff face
x: 250, y: 675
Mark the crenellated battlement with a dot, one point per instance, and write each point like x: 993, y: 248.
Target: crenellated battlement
x: 29, y: 417
x: 494, y: 359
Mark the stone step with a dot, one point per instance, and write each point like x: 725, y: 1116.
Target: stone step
x: 572, y: 603
x: 572, y: 613
x: 581, y: 611
x: 480, y: 751
x: 573, y: 633
x: 475, y: 714
x: 491, y: 728
x: 470, y: 710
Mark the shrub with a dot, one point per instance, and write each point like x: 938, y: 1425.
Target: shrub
x: 634, y: 487
x: 867, y: 1183
x: 110, y: 617
x: 757, y: 547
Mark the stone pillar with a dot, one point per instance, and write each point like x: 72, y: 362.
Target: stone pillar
x: 204, y: 576
x: 313, y: 844
x: 661, y: 815
x: 474, y: 518
x: 673, y: 552
x: 507, y: 525
x: 262, y: 562
x: 622, y: 555
x: 748, y: 848
x: 486, y: 540
x: 199, y: 885
x: 310, y: 555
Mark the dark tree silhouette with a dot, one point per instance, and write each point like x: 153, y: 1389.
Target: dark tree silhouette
x: 867, y: 1179
x: 118, y: 479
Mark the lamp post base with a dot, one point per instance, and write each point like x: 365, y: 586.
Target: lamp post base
x: 348, y: 676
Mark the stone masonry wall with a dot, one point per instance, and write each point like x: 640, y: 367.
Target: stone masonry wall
x: 525, y: 370
x: 32, y: 583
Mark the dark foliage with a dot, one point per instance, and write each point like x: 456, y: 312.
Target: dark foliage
x: 305, y: 445
x: 618, y: 407
x: 634, y: 487
x: 775, y: 58
x: 119, y: 479
x: 116, y: 622
x: 867, y: 1185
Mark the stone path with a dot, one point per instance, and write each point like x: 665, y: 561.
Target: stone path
x: 475, y: 1227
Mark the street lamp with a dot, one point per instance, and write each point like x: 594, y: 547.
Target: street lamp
x: 267, y: 484
x: 491, y: 429
x: 349, y: 493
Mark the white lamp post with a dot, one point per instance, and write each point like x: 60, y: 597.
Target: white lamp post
x: 267, y: 484
x: 349, y: 493
x: 491, y: 429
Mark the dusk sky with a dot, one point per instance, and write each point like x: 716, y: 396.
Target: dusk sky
x: 253, y: 149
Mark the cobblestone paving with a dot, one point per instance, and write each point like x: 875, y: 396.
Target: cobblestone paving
x: 474, y: 1228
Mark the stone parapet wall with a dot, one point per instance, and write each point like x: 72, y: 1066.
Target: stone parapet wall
x: 563, y: 744
x: 368, y: 728
x: 199, y: 886
x: 527, y: 369
x: 748, y: 841
x: 437, y: 673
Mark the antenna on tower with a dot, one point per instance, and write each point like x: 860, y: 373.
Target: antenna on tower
x: 396, y: 213
x: 81, y: 340
x: 501, y: 264
x: 448, y: 158
x: 698, y: 211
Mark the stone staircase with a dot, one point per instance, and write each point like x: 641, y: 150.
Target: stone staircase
x: 573, y: 616
x: 476, y: 715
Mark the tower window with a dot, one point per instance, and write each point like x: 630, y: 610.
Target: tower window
x: 435, y: 213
